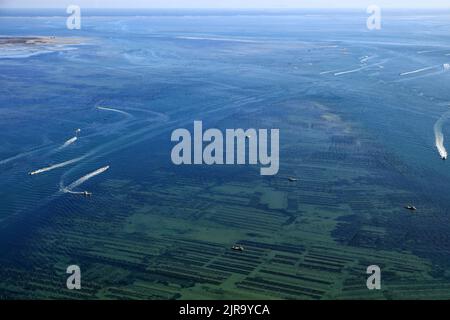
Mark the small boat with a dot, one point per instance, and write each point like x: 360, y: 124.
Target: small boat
x: 237, y: 248
x: 410, y: 207
x: 291, y: 179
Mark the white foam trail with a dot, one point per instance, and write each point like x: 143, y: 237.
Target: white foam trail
x: 365, y: 59
x: 55, y: 166
x: 440, y: 136
x: 363, y: 67
x: 68, y: 143
x: 115, y: 110
x: 21, y: 155
x: 416, y: 71
x: 217, y: 39
x: 26, y: 153
x: 349, y: 71
x: 82, y: 180
x: 330, y: 71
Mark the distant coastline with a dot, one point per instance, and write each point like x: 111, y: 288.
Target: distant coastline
x: 37, y: 40
x: 18, y: 47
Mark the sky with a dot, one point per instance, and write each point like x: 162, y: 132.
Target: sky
x: 225, y: 3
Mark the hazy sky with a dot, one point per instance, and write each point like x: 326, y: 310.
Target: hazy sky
x: 226, y: 3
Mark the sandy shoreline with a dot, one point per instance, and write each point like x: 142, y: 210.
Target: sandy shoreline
x: 38, y: 40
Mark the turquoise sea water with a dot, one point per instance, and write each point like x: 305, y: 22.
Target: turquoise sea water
x: 355, y: 114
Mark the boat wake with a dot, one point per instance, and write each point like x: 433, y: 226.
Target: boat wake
x: 416, y: 71
x: 68, y: 143
x: 55, y: 166
x: 362, y: 67
x: 440, y: 136
x: 114, y: 110
x: 22, y: 155
x: 79, y: 182
x: 216, y: 39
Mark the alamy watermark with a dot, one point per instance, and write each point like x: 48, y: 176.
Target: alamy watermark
x: 74, y: 20
x: 374, y: 280
x: 374, y: 20
x: 74, y: 280
x: 212, y: 148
